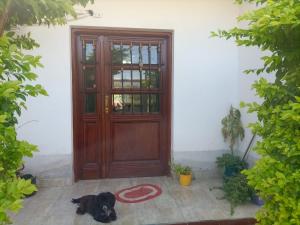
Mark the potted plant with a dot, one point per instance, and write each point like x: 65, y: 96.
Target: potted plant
x: 232, y: 130
x: 231, y: 164
x: 184, y: 173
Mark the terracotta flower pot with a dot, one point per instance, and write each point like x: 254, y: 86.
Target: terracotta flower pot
x: 185, y: 180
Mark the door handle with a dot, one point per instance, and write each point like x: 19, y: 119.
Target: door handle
x: 106, y: 104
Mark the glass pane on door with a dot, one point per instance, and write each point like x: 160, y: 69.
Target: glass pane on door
x: 116, y: 54
x: 126, y: 55
x: 135, y: 51
x: 135, y: 103
x: 154, y: 103
x: 145, y: 54
x: 136, y: 54
x: 117, y: 104
x: 136, y: 79
x: 154, y: 54
x: 90, y: 103
x: 89, y: 77
x: 137, y: 107
x: 145, y: 103
x: 117, y: 78
x: 127, y: 103
x: 127, y: 79
x: 153, y: 79
x: 89, y: 55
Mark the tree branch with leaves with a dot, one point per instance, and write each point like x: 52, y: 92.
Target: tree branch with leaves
x: 16, y: 77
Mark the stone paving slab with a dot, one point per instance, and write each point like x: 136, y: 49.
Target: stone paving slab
x: 177, y: 204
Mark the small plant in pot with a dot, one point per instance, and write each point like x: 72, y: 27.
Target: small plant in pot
x: 232, y: 131
x: 231, y: 164
x: 184, y: 173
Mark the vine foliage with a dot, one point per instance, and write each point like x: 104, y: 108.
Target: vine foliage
x: 274, y: 27
x: 16, y: 78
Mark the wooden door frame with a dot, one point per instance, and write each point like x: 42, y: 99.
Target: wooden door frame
x: 86, y: 30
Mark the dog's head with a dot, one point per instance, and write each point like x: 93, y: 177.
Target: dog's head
x: 105, y: 204
x: 108, y: 199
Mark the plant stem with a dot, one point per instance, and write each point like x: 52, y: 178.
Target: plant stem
x: 4, y: 16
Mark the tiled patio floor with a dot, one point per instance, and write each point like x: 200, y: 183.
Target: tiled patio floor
x: 52, y: 206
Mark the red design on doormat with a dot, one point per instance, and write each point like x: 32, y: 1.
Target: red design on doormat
x: 139, y: 193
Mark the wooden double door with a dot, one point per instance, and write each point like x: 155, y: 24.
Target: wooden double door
x: 121, y: 102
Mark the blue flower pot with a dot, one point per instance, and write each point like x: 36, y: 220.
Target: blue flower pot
x: 257, y: 200
x: 230, y: 171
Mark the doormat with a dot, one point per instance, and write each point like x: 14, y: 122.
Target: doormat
x: 139, y: 193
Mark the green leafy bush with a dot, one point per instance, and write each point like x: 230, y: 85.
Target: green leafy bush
x: 237, y: 191
x: 16, y: 75
x: 275, y: 27
x: 181, y: 170
x: 15, y: 70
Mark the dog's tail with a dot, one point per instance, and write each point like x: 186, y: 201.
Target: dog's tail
x: 75, y: 200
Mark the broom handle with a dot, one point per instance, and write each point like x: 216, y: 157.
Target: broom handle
x: 248, y: 148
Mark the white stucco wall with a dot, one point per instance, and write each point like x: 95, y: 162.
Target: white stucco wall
x: 206, y: 80
x: 249, y: 58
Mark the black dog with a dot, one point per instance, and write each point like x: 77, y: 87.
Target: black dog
x: 100, y: 206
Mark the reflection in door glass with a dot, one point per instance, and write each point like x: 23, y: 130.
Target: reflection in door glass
x: 90, y: 103
x: 135, y: 54
x: 136, y: 79
x: 117, y: 103
x: 135, y: 51
x: 127, y: 103
x: 150, y: 79
x: 126, y: 56
x: 145, y: 55
x: 153, y: 79
x: 89, y: 52
x: 117, y: 78
x: 127, y: 79
x: 154, y: 53
x: 144, y: 79
x: 116, y: 54
x: 90, y: 77
x: 137, y: 107
x: 122, y: 103
x: 145, y: 103
x: 135, y: 103
x: 154, y: 103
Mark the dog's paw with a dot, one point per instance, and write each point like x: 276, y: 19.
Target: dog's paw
x: 113, y: 215
x: 113, y: 218
x: 102, y: 220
